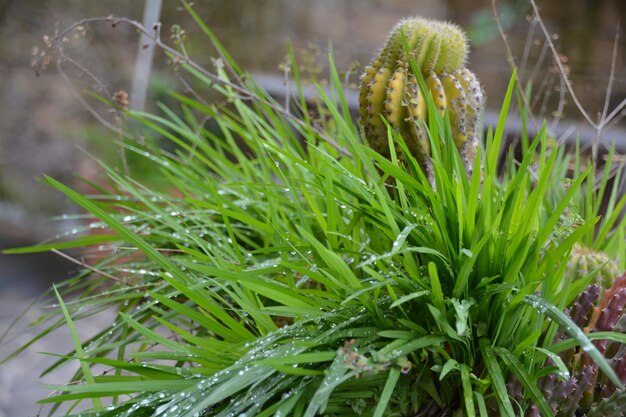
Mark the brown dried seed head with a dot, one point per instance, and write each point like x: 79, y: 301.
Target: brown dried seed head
x: 120, y: 98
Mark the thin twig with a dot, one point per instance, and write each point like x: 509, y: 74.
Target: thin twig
x: 539, y: 63
x: 570, y: 130
x: 615, y: 111
x: 556, y: 55
x: 511, y: 60
x: 122, y: 141
x: 100, y: 87
x: 205, y: 119
x: 82, y: 101
x: 559, y: 111
x: 87, y: 266
x: 287, y: 82
x: 527, y: 46
x: 609, y: 87
x: 615, y: 117
x: 541, y: 92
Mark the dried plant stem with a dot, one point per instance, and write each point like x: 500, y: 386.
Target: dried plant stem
x: 512, y: 63
x: 527, y: 46
x: 85, y: 265
x: 606, y: 118
x: 609, y: 87
x: 618, y: 110
x: 537, y: 66
x: 66, y: 79
x: 568, y: 82
x: 559, y: 111
x: 179, y: 58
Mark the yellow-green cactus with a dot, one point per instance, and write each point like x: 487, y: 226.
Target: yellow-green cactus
x: 390, y: 89
x: 584, y: 261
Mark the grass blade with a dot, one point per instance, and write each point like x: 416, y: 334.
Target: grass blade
x: 497, y: 379
x: 544, y: 307
x: 530, y: 385
x: 385, y: 396
x: 78, y: 348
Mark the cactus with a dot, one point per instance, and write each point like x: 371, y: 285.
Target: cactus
x: 587, y: 391
x: 389, y: 88
x: 612, y: 406
x: 584, y: 261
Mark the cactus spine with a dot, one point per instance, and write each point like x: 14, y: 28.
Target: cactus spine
x: 389, y: 88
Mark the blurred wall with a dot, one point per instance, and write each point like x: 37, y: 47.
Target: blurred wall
x: 41, y: 123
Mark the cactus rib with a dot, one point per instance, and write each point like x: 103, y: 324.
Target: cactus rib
x: 389, y: 89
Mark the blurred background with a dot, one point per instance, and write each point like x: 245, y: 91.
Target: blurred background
x: 46, y: 130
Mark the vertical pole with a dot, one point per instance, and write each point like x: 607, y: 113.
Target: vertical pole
x: 145, y: 51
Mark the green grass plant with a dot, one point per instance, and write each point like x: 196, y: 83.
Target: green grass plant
x: 281, y: 267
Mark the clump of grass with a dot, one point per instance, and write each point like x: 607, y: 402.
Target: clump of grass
x: 287, y: 269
